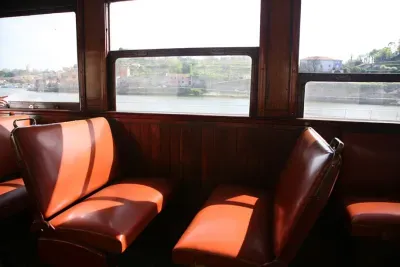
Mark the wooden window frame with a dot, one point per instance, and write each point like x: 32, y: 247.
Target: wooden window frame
x: 252, y: 52
x: 34, y: 105
x: 300, y: 79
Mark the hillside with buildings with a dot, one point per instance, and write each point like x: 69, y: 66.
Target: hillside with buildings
x: 64, y: 80
x: 383, y: 60
x: 184, y: 76
x: 378, y: 61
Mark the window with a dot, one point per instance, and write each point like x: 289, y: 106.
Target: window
x: 350, y: 65
x: 198, y: 85
x: 207, y: 71
x: 373, y: 101
x: 38, y: 61
x: 157, y: 24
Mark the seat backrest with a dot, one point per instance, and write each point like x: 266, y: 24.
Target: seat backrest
x: 8, y: 161
x: 303, y: 190
x: 64, y: 162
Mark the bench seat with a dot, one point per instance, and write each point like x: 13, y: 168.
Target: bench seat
x: 13, y: 197
x: 112, y: 218
x: 249, y: 227
x: 232, y: 229
x: 373, y: 217
x: 82, y: 204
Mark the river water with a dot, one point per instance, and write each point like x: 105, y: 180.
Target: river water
x: 215, y: 105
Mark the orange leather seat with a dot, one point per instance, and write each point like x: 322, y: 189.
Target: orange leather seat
x: 13, y: 197
x: 70, y: 172
x: 246, y: 227
x: 373, y: 218
x: 112, y: 218
x: 231, y: 229
x: 8, y: 160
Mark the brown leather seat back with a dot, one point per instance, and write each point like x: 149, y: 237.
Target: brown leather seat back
x: 8, y: 161
x: 64, y: 162
x: 302, y: 191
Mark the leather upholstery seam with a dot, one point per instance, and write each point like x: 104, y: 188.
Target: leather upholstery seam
x: 63, y: 229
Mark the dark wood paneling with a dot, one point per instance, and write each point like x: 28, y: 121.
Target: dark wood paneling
x: 294, y: 58
x: 276, y: 77
x: 263, y: 59
x: 279, y: 55
x: 95, y: 32
x: 202, y: 155
x: 28, y: 7
x: 371, y: 165
x: 80, y: 40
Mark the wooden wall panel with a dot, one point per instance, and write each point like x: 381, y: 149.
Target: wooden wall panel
x: 294, y: 59
x: 203, y: 155
x: 29, y: 7
x: 175, y: 153
x: 190, y: 155
x: 371, y: 165
x: 95, y: 30
x: 277, y: 73
x: 279, y: 51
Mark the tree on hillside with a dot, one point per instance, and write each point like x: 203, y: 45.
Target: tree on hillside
x: 9, y: 75
x: 175, y: 65
x: 310, y: 66
x: 381, y: 54
x: 393, y: 46
x: 398, y: 46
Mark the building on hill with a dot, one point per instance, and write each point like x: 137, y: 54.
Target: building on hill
x: 321, y: 65
x: 395, y: 58
x: 179, y: 79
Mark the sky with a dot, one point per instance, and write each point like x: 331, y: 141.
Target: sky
x: 40, y: 41
x: 337, y: 29
x: 342, y: 28
x: 184, y: 23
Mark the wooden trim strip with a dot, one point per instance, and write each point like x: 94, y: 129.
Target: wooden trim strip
x: 80, y: 21
x: 294, y: 59
x: 263, y: 84
x: 4, y: 13
x: 208, y: 51
x: 332, y: 77
x: 14, y: 105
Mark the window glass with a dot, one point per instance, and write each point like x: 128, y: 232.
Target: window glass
x: 213, y: 85
x: 153, y: 24
x: 38, y: 58
x: 353, y: 101
x: 354, y: 36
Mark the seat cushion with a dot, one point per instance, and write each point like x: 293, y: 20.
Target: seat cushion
x: 13, y: 197
x: 8, y: 160
x: 232, y: 229
x: 112, y: 218
x: 374, y: 218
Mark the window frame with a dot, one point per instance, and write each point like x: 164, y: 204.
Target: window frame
x: 38, y: 105
x: 304, y: 78
x: 252, y: 52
